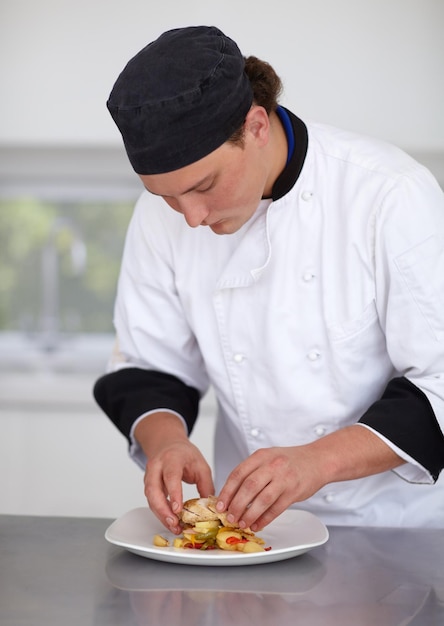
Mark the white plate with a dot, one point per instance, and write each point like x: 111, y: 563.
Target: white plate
x: 293, y: 533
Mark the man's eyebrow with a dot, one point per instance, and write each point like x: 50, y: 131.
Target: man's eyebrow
x: 192, y: 188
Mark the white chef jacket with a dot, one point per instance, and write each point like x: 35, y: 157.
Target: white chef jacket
x: 300, y: 318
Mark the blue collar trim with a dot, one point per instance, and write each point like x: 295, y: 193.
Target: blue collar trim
x: 286, y: 123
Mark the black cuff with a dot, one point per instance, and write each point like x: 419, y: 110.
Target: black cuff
x: 128, y: 393
x: 405, y: 417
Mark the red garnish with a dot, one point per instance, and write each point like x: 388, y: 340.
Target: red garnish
x: 234, y: 540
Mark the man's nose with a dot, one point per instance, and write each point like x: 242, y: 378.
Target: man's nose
x: 194, y: 212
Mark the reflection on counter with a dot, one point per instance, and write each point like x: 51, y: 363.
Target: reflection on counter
x: 130, y: 572
x: 374, y: 589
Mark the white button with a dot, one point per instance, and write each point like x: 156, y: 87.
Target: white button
x: 238, y: 358
x: 255, y: 432
x: 329, y: 497
x: 319, y: 431
x: 308, y: 276
x: 306, y: 195
x: 314, y: 355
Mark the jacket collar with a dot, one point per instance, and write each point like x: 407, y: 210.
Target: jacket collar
x: 289, y: 176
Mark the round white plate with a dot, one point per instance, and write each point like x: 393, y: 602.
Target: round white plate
x: 293, y: 533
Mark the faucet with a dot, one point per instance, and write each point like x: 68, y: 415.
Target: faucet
x: 50, y: 311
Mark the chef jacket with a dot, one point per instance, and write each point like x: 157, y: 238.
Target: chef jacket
x: 325, y: 309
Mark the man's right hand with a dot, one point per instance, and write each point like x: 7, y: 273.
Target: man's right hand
x: 172, y: 459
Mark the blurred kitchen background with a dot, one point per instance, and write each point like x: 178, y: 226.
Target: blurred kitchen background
x: 67, y: 192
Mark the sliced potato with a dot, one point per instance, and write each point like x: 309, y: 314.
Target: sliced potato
x: 178, y: 542
x: 160, y: 541
x: 250, y: 546
x: 222, y: 536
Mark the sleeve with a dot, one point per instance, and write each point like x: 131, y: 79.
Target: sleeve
x: 126, y: 394
x: 405, y: 417
x: 409, y: 266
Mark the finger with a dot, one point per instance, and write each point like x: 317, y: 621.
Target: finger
x: 265, y: 507
x: 172, y: 480
x: 240, y: 510
x: 270, y: 514
x: 204, y: 482
x: 234, y: 483
x: 158, y: 495
x: 249, y: 503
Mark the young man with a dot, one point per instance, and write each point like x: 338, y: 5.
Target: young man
x: 299, y: 270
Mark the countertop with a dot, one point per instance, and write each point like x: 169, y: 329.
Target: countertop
x: 62, y: 571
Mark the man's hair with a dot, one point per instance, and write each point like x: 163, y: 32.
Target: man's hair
x: 267, y: 87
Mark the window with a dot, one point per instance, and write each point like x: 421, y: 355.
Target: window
x: 59, y: 263
x: 63, y: 219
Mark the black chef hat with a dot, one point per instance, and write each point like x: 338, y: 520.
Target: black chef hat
x: 180, y: 98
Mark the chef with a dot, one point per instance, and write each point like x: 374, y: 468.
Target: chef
x: 296, y: 268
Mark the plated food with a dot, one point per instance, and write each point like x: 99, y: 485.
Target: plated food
x: 293, y: 533
x: 204, y: 528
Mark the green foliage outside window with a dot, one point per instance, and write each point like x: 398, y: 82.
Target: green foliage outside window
x: 85, y: 291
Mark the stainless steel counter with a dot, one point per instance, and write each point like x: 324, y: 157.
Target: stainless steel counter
x: 61, y: 571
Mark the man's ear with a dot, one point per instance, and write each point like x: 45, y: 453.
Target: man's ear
x: 257, y: 123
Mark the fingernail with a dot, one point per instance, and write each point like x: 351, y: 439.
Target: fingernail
x: 242, y: 524
x: 230, y: 518
x: 175, y: 507
x: 220, y: 506
x: 170, y: 521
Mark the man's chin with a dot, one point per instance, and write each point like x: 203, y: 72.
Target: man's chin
x: 224, y: 227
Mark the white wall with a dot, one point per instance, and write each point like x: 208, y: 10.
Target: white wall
x: 371, y: 66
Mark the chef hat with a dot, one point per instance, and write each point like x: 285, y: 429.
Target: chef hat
x: 180, y: 98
